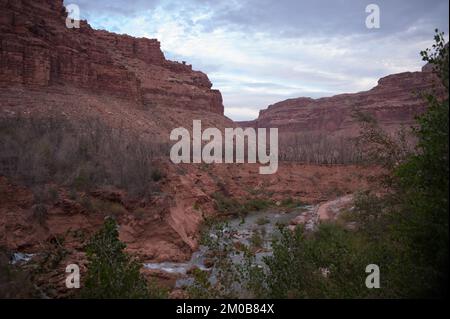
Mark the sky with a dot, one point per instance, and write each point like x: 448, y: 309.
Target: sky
x: 259, y: 52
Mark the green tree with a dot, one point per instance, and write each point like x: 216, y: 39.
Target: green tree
x: 423, y: 186
x: 329, y: 263
x: 113, y: 274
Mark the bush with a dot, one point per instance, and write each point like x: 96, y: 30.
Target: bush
x: 262, y: 221
x: 112, y: 274
x: 257, y: 240
x: 422, y: 181
x: 226, y: 204
x: 253, y: 205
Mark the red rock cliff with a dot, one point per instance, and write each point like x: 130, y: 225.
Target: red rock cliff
x: 394, y: 102
x: 38, y: 51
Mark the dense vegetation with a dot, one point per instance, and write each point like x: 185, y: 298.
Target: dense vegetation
x: 112, y: 273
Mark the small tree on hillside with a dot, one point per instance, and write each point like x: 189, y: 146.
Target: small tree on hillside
x: 112, y: 274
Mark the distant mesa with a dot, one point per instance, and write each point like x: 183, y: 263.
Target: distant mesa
x: 394, y: 102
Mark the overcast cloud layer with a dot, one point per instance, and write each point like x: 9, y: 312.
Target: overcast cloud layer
x: 258, y: 52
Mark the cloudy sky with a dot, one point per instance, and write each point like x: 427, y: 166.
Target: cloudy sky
x: 258, y: 52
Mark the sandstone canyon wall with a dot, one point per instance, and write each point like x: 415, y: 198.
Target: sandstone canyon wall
x: 47, y: 69
x: 37, y: 51
x: 394, y: 102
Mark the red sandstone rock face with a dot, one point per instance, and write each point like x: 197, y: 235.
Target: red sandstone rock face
x: 37, y: 50
x: 394, y: 102
x: 47, y: 69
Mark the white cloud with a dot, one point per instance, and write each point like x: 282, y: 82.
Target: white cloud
x: 260, y: 54
x: 241, y: 114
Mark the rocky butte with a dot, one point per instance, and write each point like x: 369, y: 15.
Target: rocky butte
x: 394, y: 102
x: 40, y: 57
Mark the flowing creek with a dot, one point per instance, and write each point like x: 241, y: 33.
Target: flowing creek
x: 242, y: 231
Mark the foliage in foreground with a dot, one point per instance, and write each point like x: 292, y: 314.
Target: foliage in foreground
x: 422, y: 224
x: 112, y: 274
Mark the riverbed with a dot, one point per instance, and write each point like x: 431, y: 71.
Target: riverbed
x: 242, y: 231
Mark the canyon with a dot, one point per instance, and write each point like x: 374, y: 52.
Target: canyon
x: 48, y: 70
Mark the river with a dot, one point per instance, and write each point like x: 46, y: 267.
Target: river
x: 264, y: 223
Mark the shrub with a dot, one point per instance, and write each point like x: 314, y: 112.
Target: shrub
x: 256, y: 205
x: 257, y: 240
x: 262, y: 221
x: 422, y: 181
x: 157, y: 175
x: 112, y: 274
x: 291, y: 203
x: 226, y: 204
